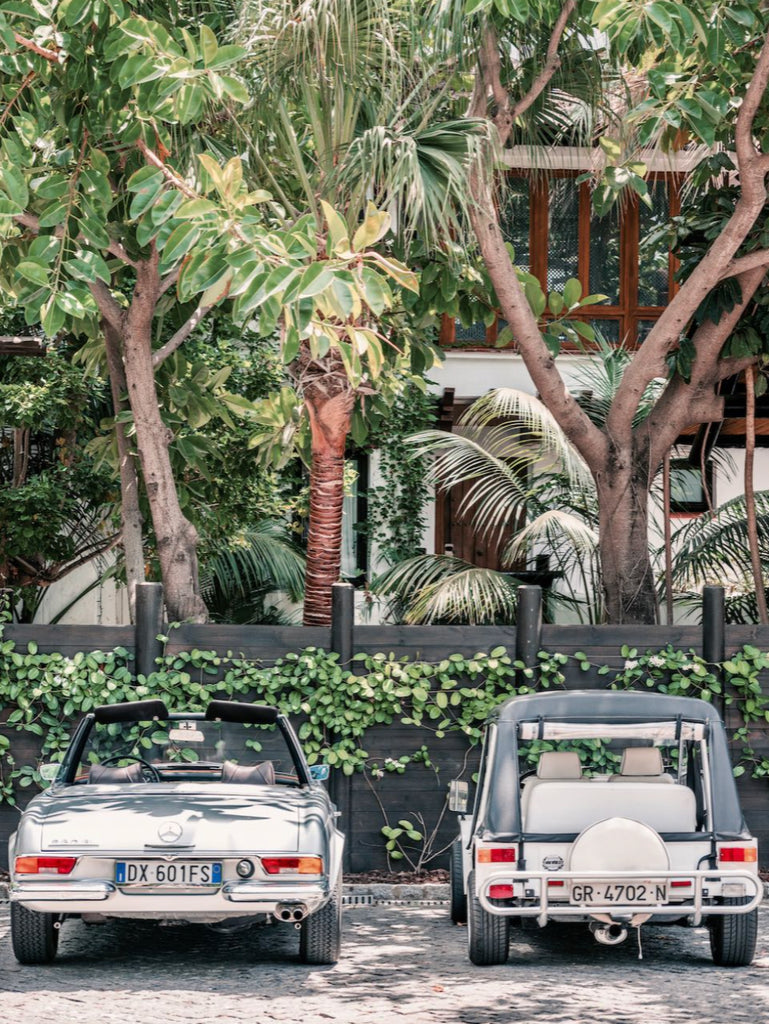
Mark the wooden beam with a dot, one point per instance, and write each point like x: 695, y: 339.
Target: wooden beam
x: 12, y: 345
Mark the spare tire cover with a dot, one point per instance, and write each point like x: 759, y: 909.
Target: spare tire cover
x: 618, y: 844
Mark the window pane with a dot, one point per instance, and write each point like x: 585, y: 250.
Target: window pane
x: 609, y: 329
x: 653, y: 254
x: 514, y: 219
x: 475, y: 332
x: 643, y: 328
x: 604, y: 256
x: 563, y: 233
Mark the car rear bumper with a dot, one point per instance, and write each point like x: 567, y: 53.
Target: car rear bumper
x: 233, y: 898
x: 532, y: 888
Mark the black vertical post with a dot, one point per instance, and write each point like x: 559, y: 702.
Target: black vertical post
x: 149, y: 623
x: 342, y: 629
x: 713, y: 632
x: 528, y: 633
x: 342, y: 621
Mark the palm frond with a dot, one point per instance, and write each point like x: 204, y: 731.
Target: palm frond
x: 244, y: 570
x: 441, y: 588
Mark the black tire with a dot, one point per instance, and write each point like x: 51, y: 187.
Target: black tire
x: 457, y: 881
x: 321, y: 935
x: 488, y: 935
x: 34, y: 936
x: 733, y: 936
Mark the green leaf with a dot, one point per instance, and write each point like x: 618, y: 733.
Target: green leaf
x: 338, y: 236
x: 572, y: 291
x: 316, y: 278
x: 208, y: 45
x: 179, y: 242
x: 33, y: 272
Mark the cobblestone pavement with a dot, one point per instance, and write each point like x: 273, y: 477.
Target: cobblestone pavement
x: 399, y: 963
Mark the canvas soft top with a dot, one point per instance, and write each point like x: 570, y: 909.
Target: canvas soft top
x: 666, y: 713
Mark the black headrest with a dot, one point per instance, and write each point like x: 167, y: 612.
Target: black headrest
x: 131, y: 711
x: 237, y: 711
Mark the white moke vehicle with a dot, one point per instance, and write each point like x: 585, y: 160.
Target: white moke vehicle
x: 210, y: 818
x: 612, y: 809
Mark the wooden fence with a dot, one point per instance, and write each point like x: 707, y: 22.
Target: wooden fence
x: 367, y: 804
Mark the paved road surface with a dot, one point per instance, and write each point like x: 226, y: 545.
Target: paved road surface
x: 399, y: 964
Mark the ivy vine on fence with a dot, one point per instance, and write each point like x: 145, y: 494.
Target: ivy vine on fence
x: 44, y: 693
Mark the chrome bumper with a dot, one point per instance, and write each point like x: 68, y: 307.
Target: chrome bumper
x: 257, y: 897
x: 690, y: 905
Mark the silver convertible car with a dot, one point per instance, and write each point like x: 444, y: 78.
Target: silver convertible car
x: 212, y: 818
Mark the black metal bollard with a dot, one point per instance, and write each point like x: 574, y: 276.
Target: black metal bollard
x: 342, y: 621
x: 528, y: 633
x: 149, y: 623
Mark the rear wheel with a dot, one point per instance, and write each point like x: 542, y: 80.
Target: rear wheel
x: 733, y: 936
x: 488, y: 935
x: 321, y: 935
x: 34, y: 936
x: 457, y: 880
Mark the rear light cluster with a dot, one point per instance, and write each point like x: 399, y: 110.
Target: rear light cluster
x: 293, y: 865
x: 738, y: 854
x: 496, y: 855
x: 44, y: 865
x: 500, y: 892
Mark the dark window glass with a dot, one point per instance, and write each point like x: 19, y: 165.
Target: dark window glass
x: 475, y: 332
x: 604, y: 256
x: 563, y: 233
x: 514, y: 219
x: 687, y: 494
x: 643, y: 328
x: 653, y: 248
x: 609, y: 329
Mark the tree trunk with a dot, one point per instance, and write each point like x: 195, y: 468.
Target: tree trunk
x: 130, y: 514
x: 330, y: 425
x: 750, y: 495
x: 623, y: 531
x: 176, y: 537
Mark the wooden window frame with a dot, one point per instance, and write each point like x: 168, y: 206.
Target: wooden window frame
x: 627, y: 313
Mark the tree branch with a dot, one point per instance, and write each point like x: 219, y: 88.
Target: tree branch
x: 181, y: 335
x: 552, y: 61
x: 108, y: 307
x: 741, y: 264
x: 491, y: 77
x: 672, y: 413
x: 50, y: 55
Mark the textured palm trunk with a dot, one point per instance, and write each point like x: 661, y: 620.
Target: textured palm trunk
x: 176, y: 537
x: 330, y: 425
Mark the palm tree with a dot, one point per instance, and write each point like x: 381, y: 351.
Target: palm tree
x: 347, y: 107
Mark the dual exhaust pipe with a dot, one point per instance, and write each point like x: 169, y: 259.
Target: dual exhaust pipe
x: 294, y: 912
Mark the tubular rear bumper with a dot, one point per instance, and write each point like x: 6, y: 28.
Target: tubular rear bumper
x: 708, y: 886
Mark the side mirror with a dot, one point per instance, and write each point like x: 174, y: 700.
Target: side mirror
x: 459, y: 794
x: 48, y: 772
x: 319, y: 772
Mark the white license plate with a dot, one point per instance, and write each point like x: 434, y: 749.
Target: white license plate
x: 161, y: 872
x: 644, y: 892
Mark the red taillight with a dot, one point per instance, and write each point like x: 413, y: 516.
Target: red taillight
x: 293, y: 865
x: 44, y: 865
x: 680, y: 885
x: 496, y: 855
x: 500, y: 892
x: 555, y: 882
x: 738, y: 854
